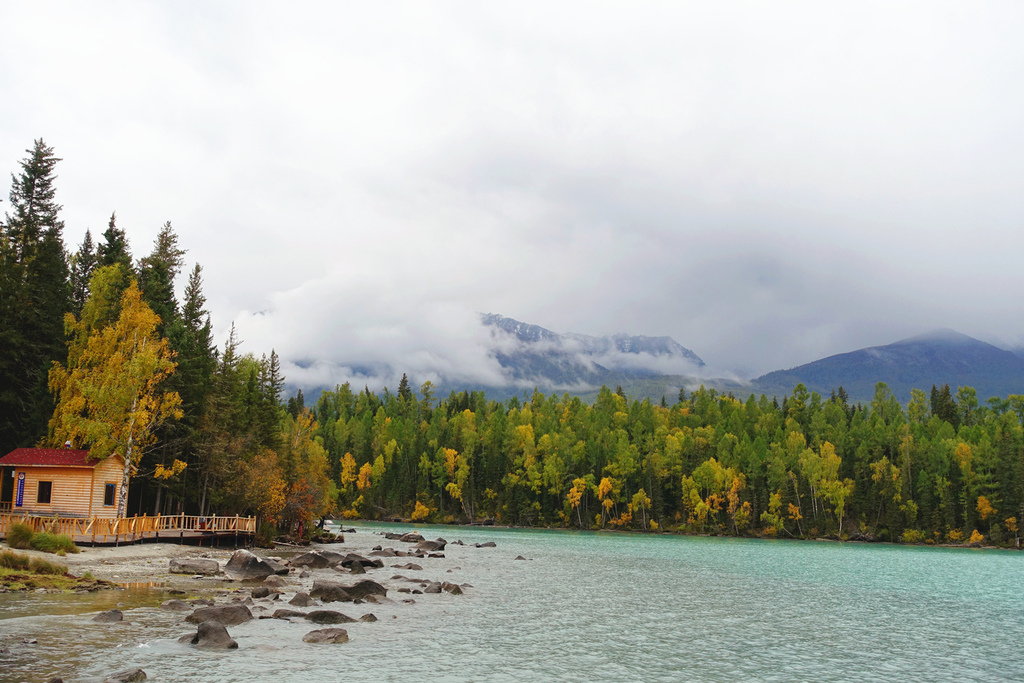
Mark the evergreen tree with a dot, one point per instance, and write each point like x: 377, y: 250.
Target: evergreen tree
x: 34, y: 296
x: 83, y: 263
x: 157, y: 273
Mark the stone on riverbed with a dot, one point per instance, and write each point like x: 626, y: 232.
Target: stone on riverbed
x: 330, y: 591
x: 312, y: 559
x: 184, y: 565
x: 431, y: 546
x: 288, y: 614
x: 228, y: 615
x: 326, y: 635
x: 326, y: 616
x: 109, y: 617
x: 127, y: 676
x: 301, y: 600
x: 175, y: 605
x: 210, y: 635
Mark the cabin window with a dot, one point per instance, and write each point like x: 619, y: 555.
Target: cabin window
x: 45, y: 489
x: 108, y: 494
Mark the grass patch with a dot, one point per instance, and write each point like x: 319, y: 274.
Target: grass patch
x: 53, y: 543
x: 21, y: 573
x: 20, y: 536
x: 12, y: 560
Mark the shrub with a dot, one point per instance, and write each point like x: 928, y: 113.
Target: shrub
x: 53, y: 543
x: 20, y: 536
x: 912, y: 536
x: 13, y: 560
x: 266, y: 535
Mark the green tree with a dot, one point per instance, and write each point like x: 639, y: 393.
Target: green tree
x: 34, y: 296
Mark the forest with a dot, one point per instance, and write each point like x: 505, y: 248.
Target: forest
x: 97, y: 350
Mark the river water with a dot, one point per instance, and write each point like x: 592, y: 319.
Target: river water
x: 592, y: 607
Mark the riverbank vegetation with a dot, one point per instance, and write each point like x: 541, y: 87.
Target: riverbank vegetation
x: 207, y: 429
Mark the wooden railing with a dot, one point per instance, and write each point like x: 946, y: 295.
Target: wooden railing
x: 130, y: 527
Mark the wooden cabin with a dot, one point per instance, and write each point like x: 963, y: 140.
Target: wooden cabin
x: 59, y: 482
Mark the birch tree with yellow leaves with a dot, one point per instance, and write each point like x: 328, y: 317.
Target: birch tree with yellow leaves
x: 109, y: 396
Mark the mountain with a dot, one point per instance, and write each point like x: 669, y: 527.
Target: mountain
x: 940, y: 357
x: 535, y: 355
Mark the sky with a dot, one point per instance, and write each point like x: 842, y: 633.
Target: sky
x: 766, y: 183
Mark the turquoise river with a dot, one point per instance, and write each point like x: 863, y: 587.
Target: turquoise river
x: 592, y: 607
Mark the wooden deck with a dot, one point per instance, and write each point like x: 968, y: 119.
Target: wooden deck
x: 191, y: 529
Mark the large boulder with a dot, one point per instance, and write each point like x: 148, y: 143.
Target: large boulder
x: 228, y: 615
x: 184, y: 565
x: 326, y: 616
x: 330, y: 591
x: 433, y: 587
x: 326, y: 635
x: 385, y: 552
x: 410, y: 538
x: 260, y: 592
x: 245, y: 566
x: 111, y: 616
x: 452, y: 588
x: 212, y: 635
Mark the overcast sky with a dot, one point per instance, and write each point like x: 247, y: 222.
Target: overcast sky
x: 767, y: 183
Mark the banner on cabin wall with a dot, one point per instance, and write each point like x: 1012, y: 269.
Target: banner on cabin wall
x: 20, y: 498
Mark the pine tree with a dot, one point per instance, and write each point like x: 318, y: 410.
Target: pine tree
x: 83, y: 263
x: 34, y: 296
x: 157, y: 273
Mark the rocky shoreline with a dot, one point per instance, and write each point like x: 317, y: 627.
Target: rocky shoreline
x: 211, y: 591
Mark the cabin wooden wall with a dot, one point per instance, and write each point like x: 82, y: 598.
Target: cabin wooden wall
x: 74, y: 489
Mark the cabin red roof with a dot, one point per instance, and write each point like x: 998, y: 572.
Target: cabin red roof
x: 48, y: 457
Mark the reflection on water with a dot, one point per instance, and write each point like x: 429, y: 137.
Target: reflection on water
x: 586, y: 606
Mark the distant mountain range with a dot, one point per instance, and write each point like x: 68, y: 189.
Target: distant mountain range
x: 936, y: 358
x: 532, y: 354
x: 659, y: 366
x: 531, y: 357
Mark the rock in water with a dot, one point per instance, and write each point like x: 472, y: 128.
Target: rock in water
x: 301, y: 600
x: 326, y: 616
x: 288, y: 614
x: 312, y: 559
x: 274, y: 582
x: 109, y: 617
x: 330, y: 591
x: 364, y: 588
x: 175, y: 605
x: 431, y: 546
x: 368, y: 617
x: 193, y: 566
x: 228, y: 615
x: 260, y: 592
x: 326, y: 635
x: 127, y: 676
x: 245, y: 566
x: 212, y: 636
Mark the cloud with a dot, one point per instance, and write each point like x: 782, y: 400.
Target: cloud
x: 767, y: 185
